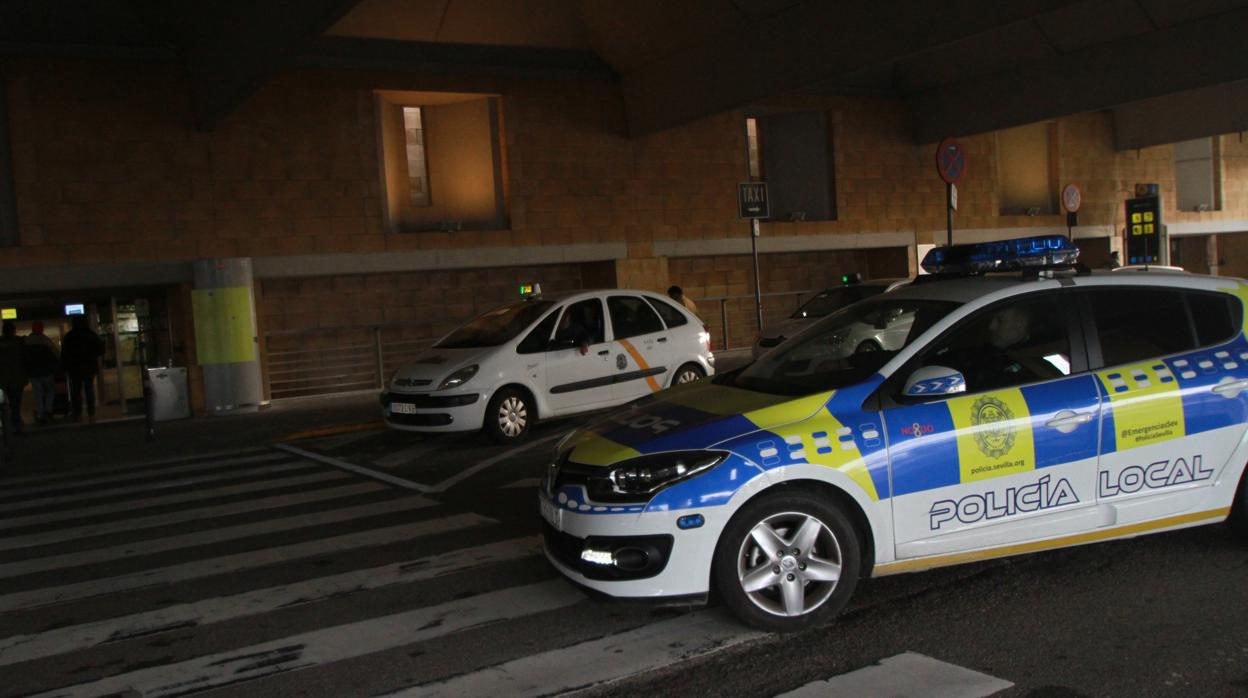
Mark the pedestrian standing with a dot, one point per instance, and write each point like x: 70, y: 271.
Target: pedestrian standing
x: 42, y: 360
x: 80, y: 355
x: 13, y: 374
x: 677, y: 294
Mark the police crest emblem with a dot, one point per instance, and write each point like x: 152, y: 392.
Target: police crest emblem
x: 993, y: 434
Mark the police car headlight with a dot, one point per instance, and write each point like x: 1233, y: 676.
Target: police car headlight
x: 649, y: 474
x: 459, y: 377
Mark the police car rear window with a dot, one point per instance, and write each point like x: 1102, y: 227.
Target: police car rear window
x: 1138, y: 323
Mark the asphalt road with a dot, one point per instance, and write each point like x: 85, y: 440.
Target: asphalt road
x: 271, y: 572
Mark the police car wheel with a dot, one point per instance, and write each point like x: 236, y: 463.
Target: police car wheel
x: 688, y: 373
x: 1238, y: 520
x: 509, y: 416
x: 787, y: 561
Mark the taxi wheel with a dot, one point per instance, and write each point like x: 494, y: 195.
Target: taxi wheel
x: 688, y: 373
x: 787, y: 561
x: 867, y: 345
x: 509, y: 416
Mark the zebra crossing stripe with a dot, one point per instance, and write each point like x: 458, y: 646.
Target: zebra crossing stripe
x: 597, y: 662
x: 220, y: 535
x: 72, y: 475
x: 130, y: 476
x: 908, y: 675
x: 332, y: 644
x: 158, y: 485
x: 46, y: 596
x: 22, y: 648
x: 48, y: 518
x: 188, y: 515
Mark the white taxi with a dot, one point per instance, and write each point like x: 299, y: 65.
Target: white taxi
x: 548, y: 355
x: 1022, y: 412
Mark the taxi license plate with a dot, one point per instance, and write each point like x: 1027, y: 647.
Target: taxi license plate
x: 402, y: 408
x: 552, y: 513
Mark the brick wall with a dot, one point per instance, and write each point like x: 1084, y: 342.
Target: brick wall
x: 707, y: 280
x: 321, y: 333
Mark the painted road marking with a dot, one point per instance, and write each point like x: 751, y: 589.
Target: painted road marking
x: 70, y: 475
x: 526, y: 483
x: 158, y: 485
x: 113, y: 526
x: 218, y: 535
x: 600, y: 661
x: 908, y: 675
x: 332, y: 644
x: 46, y: 596
x: 131, y: 476
x: 403, y: 456
x: 408, y: 484
x: 182, y: 497
x: 23, y: 648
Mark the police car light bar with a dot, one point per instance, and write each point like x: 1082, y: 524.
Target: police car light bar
x: 1002, y: 255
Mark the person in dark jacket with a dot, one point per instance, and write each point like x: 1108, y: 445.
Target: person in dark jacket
x: 13, y: 376
x: 81, y: 350
x: 42, y: 360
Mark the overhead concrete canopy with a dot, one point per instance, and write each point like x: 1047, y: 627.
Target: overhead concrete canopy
x: 964, y: 67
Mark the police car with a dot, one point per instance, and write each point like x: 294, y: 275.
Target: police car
x: 548, y: 355
x: 1022, y: 412
x: 852, y: 290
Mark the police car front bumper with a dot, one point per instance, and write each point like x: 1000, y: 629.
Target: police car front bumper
x: 433, y: 412
x: 631, y: 555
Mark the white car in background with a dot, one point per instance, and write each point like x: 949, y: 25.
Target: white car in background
x: 548, y: 356
x: 823, y: 304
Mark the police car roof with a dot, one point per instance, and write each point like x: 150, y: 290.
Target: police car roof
x: 962, y: 289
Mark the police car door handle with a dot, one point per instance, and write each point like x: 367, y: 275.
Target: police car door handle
x: 1230, y: 388
x: 1067, y: 421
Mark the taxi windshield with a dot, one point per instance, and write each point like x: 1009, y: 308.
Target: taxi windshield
x: 834, y: 299
x: 843, y: 348
x: 496, y: 326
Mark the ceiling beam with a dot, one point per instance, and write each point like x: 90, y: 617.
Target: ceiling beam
x: 1184, y: 57
x: 1185, y: 116
x: 240, y: 44
x: 810, y: 43
x: 451, y: 59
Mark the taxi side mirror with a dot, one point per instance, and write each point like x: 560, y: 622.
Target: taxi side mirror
x: 934, y: 381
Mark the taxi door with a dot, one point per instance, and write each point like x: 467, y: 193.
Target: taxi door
x: 1011, y: 459
x: 576, y: 381
x: 1174, y: 387
x: 641, y: 348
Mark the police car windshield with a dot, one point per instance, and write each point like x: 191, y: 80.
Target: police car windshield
x: 843, y: 348
x: 497, y: 326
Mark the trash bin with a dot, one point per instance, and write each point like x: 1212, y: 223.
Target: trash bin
x: 169, y: 398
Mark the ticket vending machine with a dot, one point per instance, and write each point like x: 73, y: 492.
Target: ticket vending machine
x: 1146, y: 239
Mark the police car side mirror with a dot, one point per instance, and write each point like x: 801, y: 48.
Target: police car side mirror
x: 932, y: 381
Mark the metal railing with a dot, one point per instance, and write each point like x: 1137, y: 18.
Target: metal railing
x: 324, y: 361
x: 734, y: 323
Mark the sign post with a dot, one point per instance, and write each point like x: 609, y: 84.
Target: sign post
x: 1072, y: 199
x: 951, y: 166
x: 1146, y: 241
x: 753, y: 204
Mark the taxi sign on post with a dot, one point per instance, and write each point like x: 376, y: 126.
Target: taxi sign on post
x: 752, y: 200
x: 950, y: 161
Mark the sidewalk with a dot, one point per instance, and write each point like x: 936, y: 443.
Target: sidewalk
x: 68, y: 447
x: 84, y: 445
